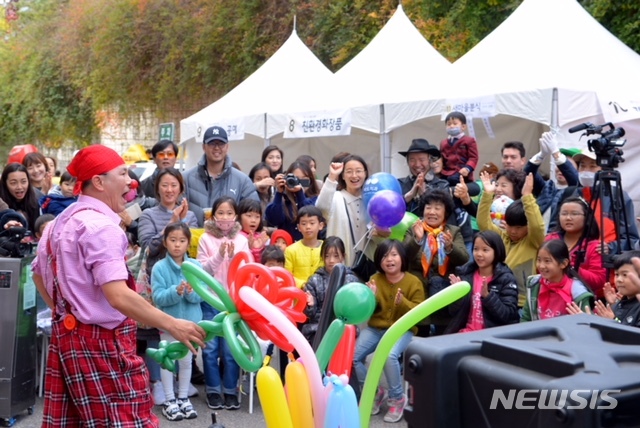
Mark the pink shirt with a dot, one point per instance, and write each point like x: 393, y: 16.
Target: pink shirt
x: 475, y: 321
x: 90, y: 247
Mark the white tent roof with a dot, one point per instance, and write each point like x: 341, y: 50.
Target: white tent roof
x: 543, y: 44
x: 292, y: 68
x: 396, y: 61
x: 390, y: 68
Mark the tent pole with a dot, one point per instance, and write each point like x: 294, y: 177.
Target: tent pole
x: 385, y: 150
x: 555, y: 111
x: 267, y: 140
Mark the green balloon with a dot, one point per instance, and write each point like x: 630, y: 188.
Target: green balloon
x: 399, y: 230
x: 354, y: 303
x: 329, y: 343
x: 392, y: 335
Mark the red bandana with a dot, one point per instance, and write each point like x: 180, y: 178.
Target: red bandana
x: 91, y: 161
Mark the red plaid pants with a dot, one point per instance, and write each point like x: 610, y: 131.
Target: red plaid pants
x: 95, y: 379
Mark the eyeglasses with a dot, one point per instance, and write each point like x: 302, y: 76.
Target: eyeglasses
x: 216, y: 143
x: 354, y: 172
x: 166, y: 155
x: 571, y: 214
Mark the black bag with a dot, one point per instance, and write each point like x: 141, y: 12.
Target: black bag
x: 363, y: 267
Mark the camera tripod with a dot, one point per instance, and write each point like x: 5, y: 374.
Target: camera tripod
x: 606, y: 192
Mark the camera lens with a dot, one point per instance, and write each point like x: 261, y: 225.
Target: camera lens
x: 292, y: 180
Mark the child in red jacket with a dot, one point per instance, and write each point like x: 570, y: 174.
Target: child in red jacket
x: 459, y: 151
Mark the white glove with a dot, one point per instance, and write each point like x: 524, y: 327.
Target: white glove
x: 550, y: 142
x: 538, y: 158
x: 544, y: 148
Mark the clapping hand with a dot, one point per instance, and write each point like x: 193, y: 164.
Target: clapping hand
x: 604, y: 310
x: 448, y: 241
x: 418, y: 230
x: 398, y: 298
x: 574, y: 309
x: 610, y: 294
x: 372, y: 286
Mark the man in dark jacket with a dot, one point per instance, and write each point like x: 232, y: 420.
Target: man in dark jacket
x: 214, y: 176
x: 165, y: 155
x: 420, y: 176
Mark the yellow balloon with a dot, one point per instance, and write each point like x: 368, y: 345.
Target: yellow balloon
x: 299, y: 395
x: 272, y: 399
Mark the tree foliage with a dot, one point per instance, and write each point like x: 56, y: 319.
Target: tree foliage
x: 66, y: 62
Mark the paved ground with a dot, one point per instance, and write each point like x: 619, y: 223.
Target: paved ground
x: 231, y: 419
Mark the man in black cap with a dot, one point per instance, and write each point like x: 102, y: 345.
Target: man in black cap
x: 214, y: 176
x: 419, y: 157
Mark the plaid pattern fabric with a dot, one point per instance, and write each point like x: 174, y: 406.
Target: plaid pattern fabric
x: 95, y: 379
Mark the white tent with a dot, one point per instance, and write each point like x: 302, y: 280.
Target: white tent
x: 544, y: 44
x: 396, y: 62
x: 242, y: 111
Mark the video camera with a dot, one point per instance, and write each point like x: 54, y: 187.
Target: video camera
x: 607, y: 147
x: 11, y: 244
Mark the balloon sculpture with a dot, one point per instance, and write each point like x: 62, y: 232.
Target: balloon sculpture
x: 267, y: 301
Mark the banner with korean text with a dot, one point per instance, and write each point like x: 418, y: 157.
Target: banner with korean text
x: 327, y: 123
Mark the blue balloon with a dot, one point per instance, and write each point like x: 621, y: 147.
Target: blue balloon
x: 342, y: 406
x: 377, y: 182
x: 386, y: 208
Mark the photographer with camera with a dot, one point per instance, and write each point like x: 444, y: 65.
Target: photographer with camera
x: 294, y: 189
x: 601, y: 187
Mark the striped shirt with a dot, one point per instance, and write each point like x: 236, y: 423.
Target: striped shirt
x: 90, y: 251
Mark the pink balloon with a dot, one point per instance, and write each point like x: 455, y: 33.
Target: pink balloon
x: 261, y: 305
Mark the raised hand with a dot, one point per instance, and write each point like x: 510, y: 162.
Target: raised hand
x: 461, y: 191
x: 527, y: 189
x: 335, y: 169
x: 223, y: 249
x: 231, y: 249
x: 488, y: 185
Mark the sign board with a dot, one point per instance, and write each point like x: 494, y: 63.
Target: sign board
x: 234, y: 128
x: 480, y: 107
x: 167, y: 131
x: 318, y: 124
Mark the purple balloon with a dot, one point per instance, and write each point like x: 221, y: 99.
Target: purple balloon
x: 386, y: 208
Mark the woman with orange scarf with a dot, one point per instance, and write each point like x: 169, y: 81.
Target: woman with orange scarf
x: 435, y: 248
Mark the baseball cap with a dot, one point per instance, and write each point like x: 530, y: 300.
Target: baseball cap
x: 215, y: 133
x: 584, y: 153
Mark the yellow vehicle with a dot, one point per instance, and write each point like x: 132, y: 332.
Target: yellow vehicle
x: 135, y: 153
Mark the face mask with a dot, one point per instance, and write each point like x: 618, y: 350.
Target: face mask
x: 453, y: 131
x: 225, y: 225
x: 587, y: 178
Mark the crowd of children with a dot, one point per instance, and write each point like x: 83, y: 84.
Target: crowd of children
x: 518, y: 269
